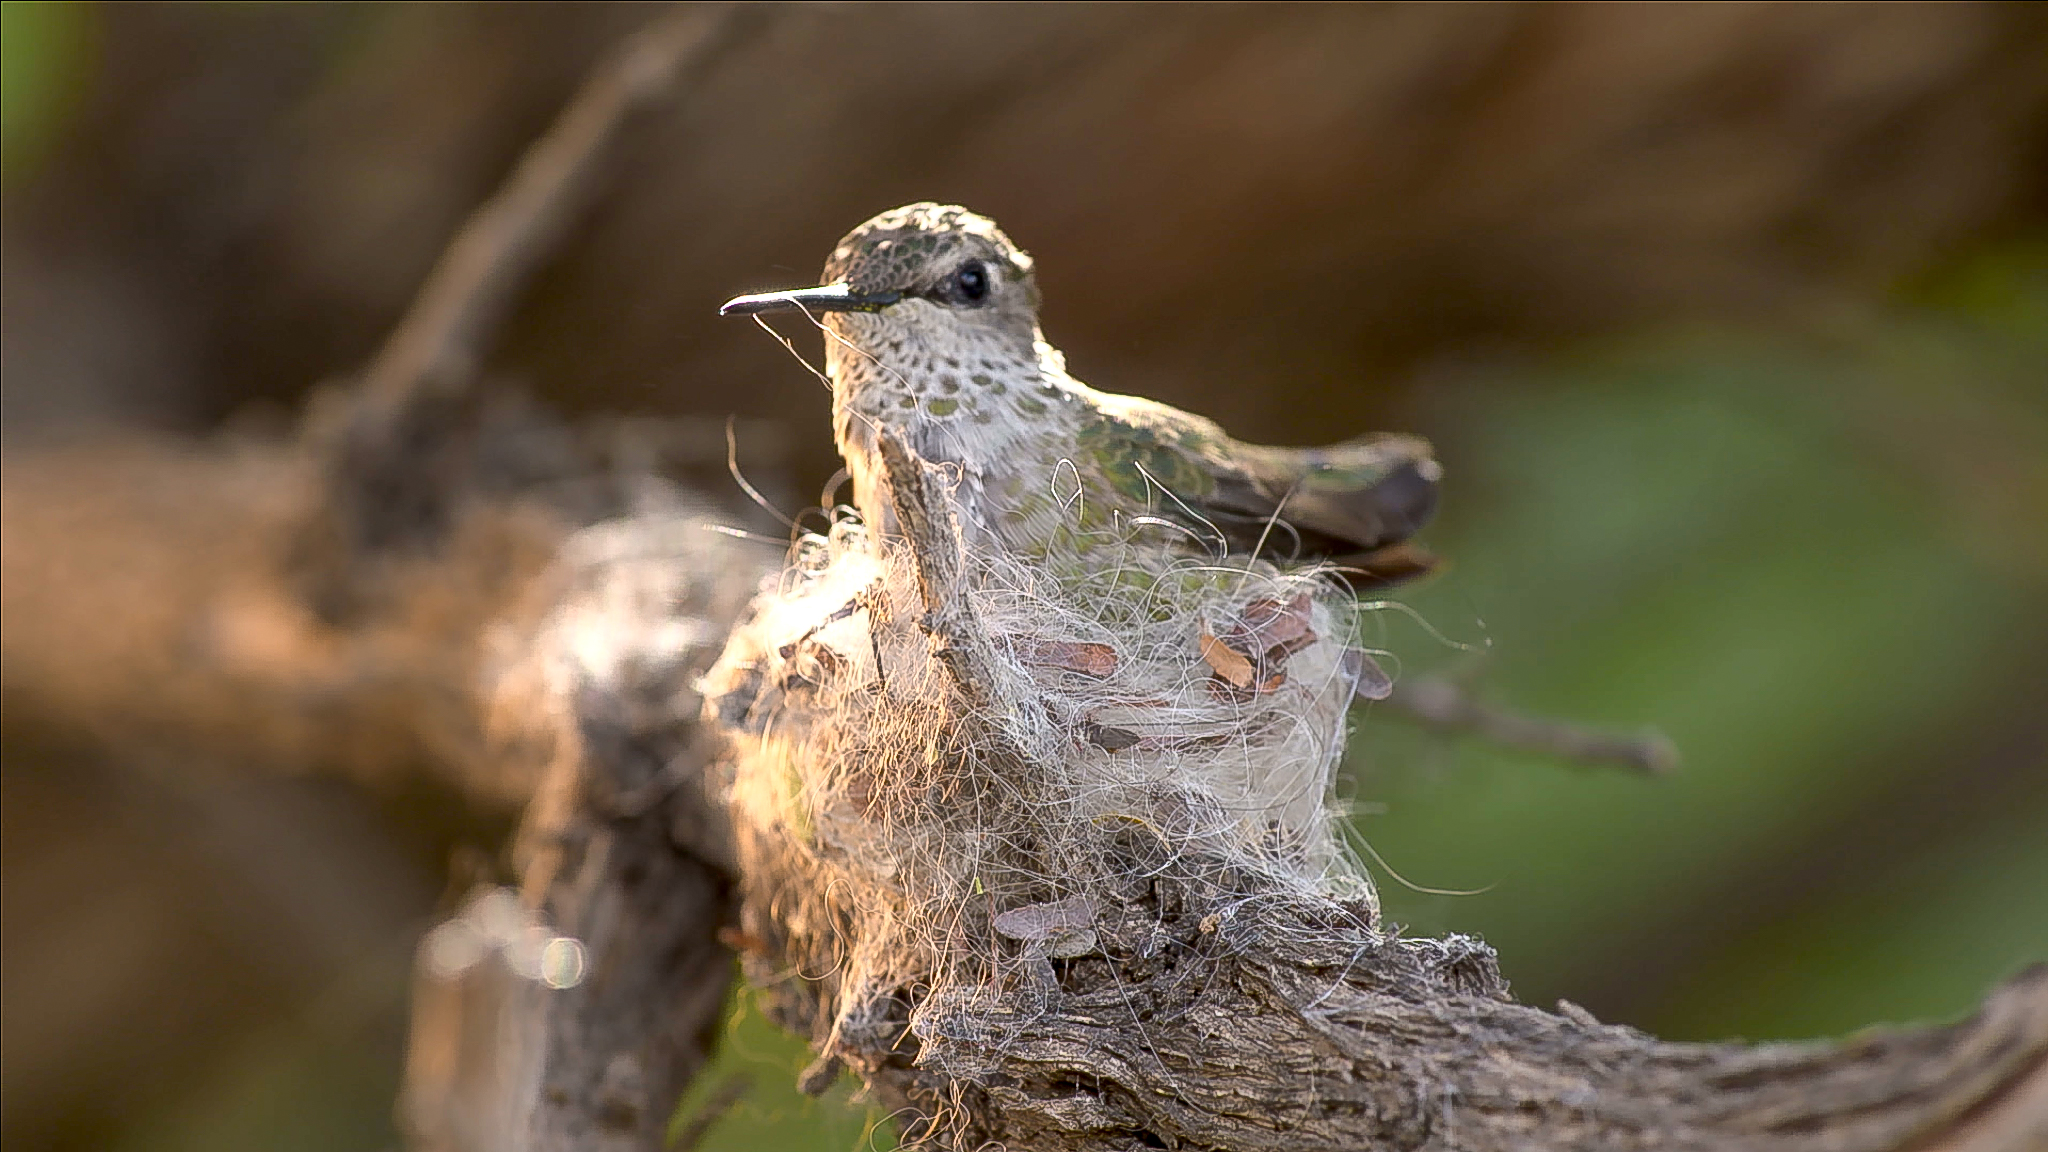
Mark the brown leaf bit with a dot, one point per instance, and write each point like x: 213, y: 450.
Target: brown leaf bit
x: 1274, y: 630
x: 1093, y: 660
x: 1250, y: 657
x: 1227, y: 663
x: 1369, y: 681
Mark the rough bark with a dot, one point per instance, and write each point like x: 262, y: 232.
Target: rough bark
x: 590, y: 1048
x: 1236, y: 1039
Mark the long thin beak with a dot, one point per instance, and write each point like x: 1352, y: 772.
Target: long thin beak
x: 830, y: 298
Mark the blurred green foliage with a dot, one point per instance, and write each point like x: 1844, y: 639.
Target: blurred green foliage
x: 1818, y: 565
x: 46, y: 56
x: 321, y: 1081
x: 773, y: 1114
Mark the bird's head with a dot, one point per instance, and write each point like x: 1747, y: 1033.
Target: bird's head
x: 919, y: 284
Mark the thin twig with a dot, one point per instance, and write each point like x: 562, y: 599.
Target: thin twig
x: 1444, y: 706
x: 436, y: 347
x: 389, y: 454
x: 730, y: 1091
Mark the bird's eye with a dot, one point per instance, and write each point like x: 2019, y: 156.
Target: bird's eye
x: 971, y: 281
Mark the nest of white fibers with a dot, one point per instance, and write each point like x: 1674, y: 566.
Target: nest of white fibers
x: 907, y: 840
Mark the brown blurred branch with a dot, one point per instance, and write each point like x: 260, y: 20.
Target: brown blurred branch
x: 722, y: 1099
x: 398, y: 433
x: 438, y: 344
x: 505, y: 1053
x: 146, y: 607
x: 143, y: 587
x: 1449, y: 707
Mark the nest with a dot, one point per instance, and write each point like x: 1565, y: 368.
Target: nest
x: 954, y: 778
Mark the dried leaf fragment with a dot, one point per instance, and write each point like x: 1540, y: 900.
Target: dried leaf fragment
x: 1251, y: 654
x: 1094, y: 660
x: 1273, y: 629
x: 1228, y: 664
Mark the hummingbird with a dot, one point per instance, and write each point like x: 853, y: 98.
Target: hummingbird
x: 930, y: 316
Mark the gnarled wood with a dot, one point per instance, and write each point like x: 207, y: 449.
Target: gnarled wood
x: 622, y: 871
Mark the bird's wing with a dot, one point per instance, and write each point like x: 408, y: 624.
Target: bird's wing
x: 1353, y: 503
x: 1343, y: 501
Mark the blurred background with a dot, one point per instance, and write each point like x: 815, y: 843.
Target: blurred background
x: 1730, y: 323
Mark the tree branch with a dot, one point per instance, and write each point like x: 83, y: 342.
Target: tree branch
x: 473, y: 285
x: 620, y: 866
x: 1443, y: 705
x: 393, y: 439
x: 1215, y: 1007
x: 1242, y: 1040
